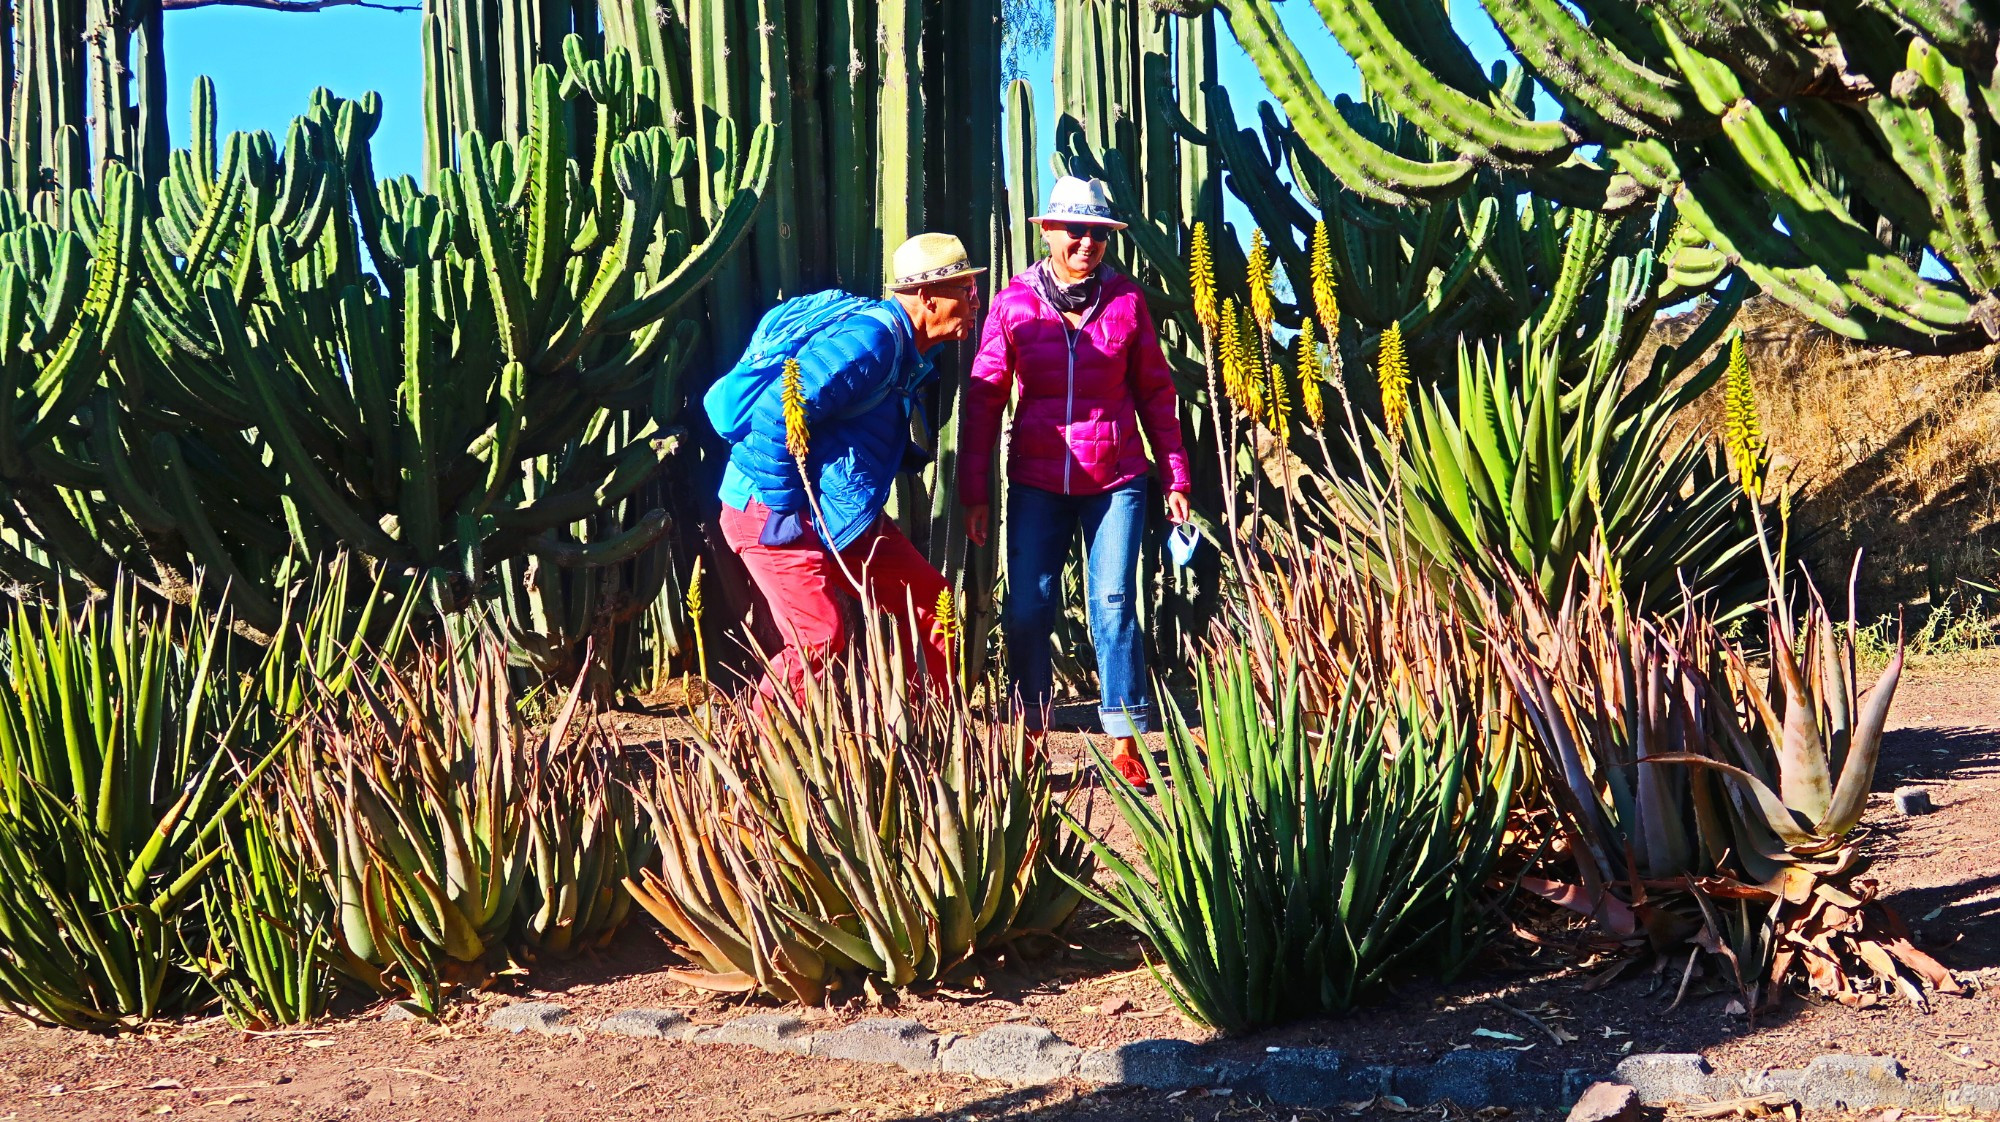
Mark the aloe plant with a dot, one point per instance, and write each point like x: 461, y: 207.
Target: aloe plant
x: 1702, y: 795
x: 1524, y: 469
x: 120, y: 766
x: 858, y: 837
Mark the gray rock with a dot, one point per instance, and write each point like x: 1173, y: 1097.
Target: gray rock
x: 773, y: 1032
x: 1160, y: 1065
x: 1310, y: 1077
x: 1470, y: 1078
x: 401, y: 1012
x: 1020, y: 1054
x: 1981, y: 1098
x: 1663, y: 1077
x: 649, y: 1024
x: 1607, y: 1102
x: 1913, y: 801
x: 883, y: 1040
x: 1853, y: 1083
x: 541, y: 1017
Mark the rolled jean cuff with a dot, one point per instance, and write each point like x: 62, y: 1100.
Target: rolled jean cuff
x: 1134, y: 720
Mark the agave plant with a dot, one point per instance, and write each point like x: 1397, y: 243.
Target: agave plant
x: 1521, y: 468
x: 1304, y: 857
x: 1704, y: 799
x: 413, y: 802
x: 117, y: 774
x: 855, y: 837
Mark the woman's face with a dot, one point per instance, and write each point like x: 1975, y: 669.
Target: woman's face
x: 1078, y: 245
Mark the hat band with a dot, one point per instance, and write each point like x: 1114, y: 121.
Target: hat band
x: 959, y: 266
x: 1090, y: 209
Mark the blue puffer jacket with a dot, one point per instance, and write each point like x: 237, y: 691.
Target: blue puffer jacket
x: 855, y: 449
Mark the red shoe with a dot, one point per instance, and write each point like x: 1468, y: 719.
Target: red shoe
x: 1133, y: 770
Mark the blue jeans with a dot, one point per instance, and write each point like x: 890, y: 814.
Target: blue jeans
x: 1040, y: 526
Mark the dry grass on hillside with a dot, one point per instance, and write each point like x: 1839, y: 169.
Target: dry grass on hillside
x: 1886, y: 451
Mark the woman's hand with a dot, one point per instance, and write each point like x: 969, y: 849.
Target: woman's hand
x: 1177, y: 507
x: 978, y: 519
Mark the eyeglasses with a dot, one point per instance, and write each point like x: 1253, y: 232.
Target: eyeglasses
x: 1082, y: 230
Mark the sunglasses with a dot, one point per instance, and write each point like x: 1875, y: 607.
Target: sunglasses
x: 1082, y: 230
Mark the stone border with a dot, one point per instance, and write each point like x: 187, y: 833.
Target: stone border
x: 1025, y: 1055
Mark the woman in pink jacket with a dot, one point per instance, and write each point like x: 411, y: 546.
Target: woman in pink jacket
x: 1074, y: 338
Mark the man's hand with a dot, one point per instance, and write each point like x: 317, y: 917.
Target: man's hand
x: 1177, y: 507
x: 978, y: 519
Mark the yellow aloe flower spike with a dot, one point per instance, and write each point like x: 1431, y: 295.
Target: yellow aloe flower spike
x: 1742, y: 435
x: 1201, y: 275
x: 947, y: 616
x: 1253, y: 369
x: 1232, y: 352
x: 793, y: 388
x: 1324, y: 300
x: 1260, y: 280
x: 694, y: 610
x: 1392, y: 369
x: 1309, y: 367
x: 1280, y: 406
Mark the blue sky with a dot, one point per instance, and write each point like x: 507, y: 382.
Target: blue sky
x: 266, y: 65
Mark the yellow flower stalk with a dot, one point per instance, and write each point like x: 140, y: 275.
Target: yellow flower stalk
x: 1260, y: 281
x: 1252, y: 364
x: 1201, y: 275
x: 1323, y: 295
x: 1280, y: 406
x: 947, y: 616
x: 1309, y: 367
x: 1742, y: 435
x: 694, y: 610
x: 793, y: 389
x: 1232, y: 352
x: 1392, y: 369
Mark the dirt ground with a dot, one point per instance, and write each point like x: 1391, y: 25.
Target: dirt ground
x: 1941, y: 872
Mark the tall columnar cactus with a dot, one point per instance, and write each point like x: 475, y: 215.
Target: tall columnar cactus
x: 1820, y: 153
x: 82, y: 87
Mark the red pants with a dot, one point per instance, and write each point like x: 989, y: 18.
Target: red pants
x: 800, y: 580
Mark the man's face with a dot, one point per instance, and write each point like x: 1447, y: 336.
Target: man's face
x: 1078, y: 245
x: 954, y: 307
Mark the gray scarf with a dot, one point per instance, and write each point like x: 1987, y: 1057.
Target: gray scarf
x: 1067, y: 297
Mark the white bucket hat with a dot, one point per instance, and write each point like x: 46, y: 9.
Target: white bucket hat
x: 1079, y: 200
x: 929, y: 259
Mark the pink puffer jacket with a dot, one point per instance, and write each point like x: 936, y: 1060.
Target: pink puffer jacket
x: 1084, y: 396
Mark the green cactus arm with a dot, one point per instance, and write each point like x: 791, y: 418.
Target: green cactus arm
x: 502, y: 266
x: 548, y: 216
x: 1445, y: 288
x: 295, y: 335
x: 73, y: 372
x: 1831, y: 237
x: 221, y: 212
x: 276, y: 428
x: 1592, y: 70
x: 694, y: 270
x: 1771, y: 264
x: 120, y: 482
x: 417, y: 497
x: 622, y: 546
x: 1579, y: 182
x: 1954, y: 178
x: 1453, y: 119
x: 1365, y: 168
x: 69, y: 277
x: 1878, y: 171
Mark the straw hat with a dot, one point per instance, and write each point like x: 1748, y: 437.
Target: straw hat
x: 929, y: 259
x: 1079, y: 200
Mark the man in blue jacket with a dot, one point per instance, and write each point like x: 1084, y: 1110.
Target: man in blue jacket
x: 860, y: 374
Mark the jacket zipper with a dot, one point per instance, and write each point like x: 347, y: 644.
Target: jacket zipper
x: 1069, y: 406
